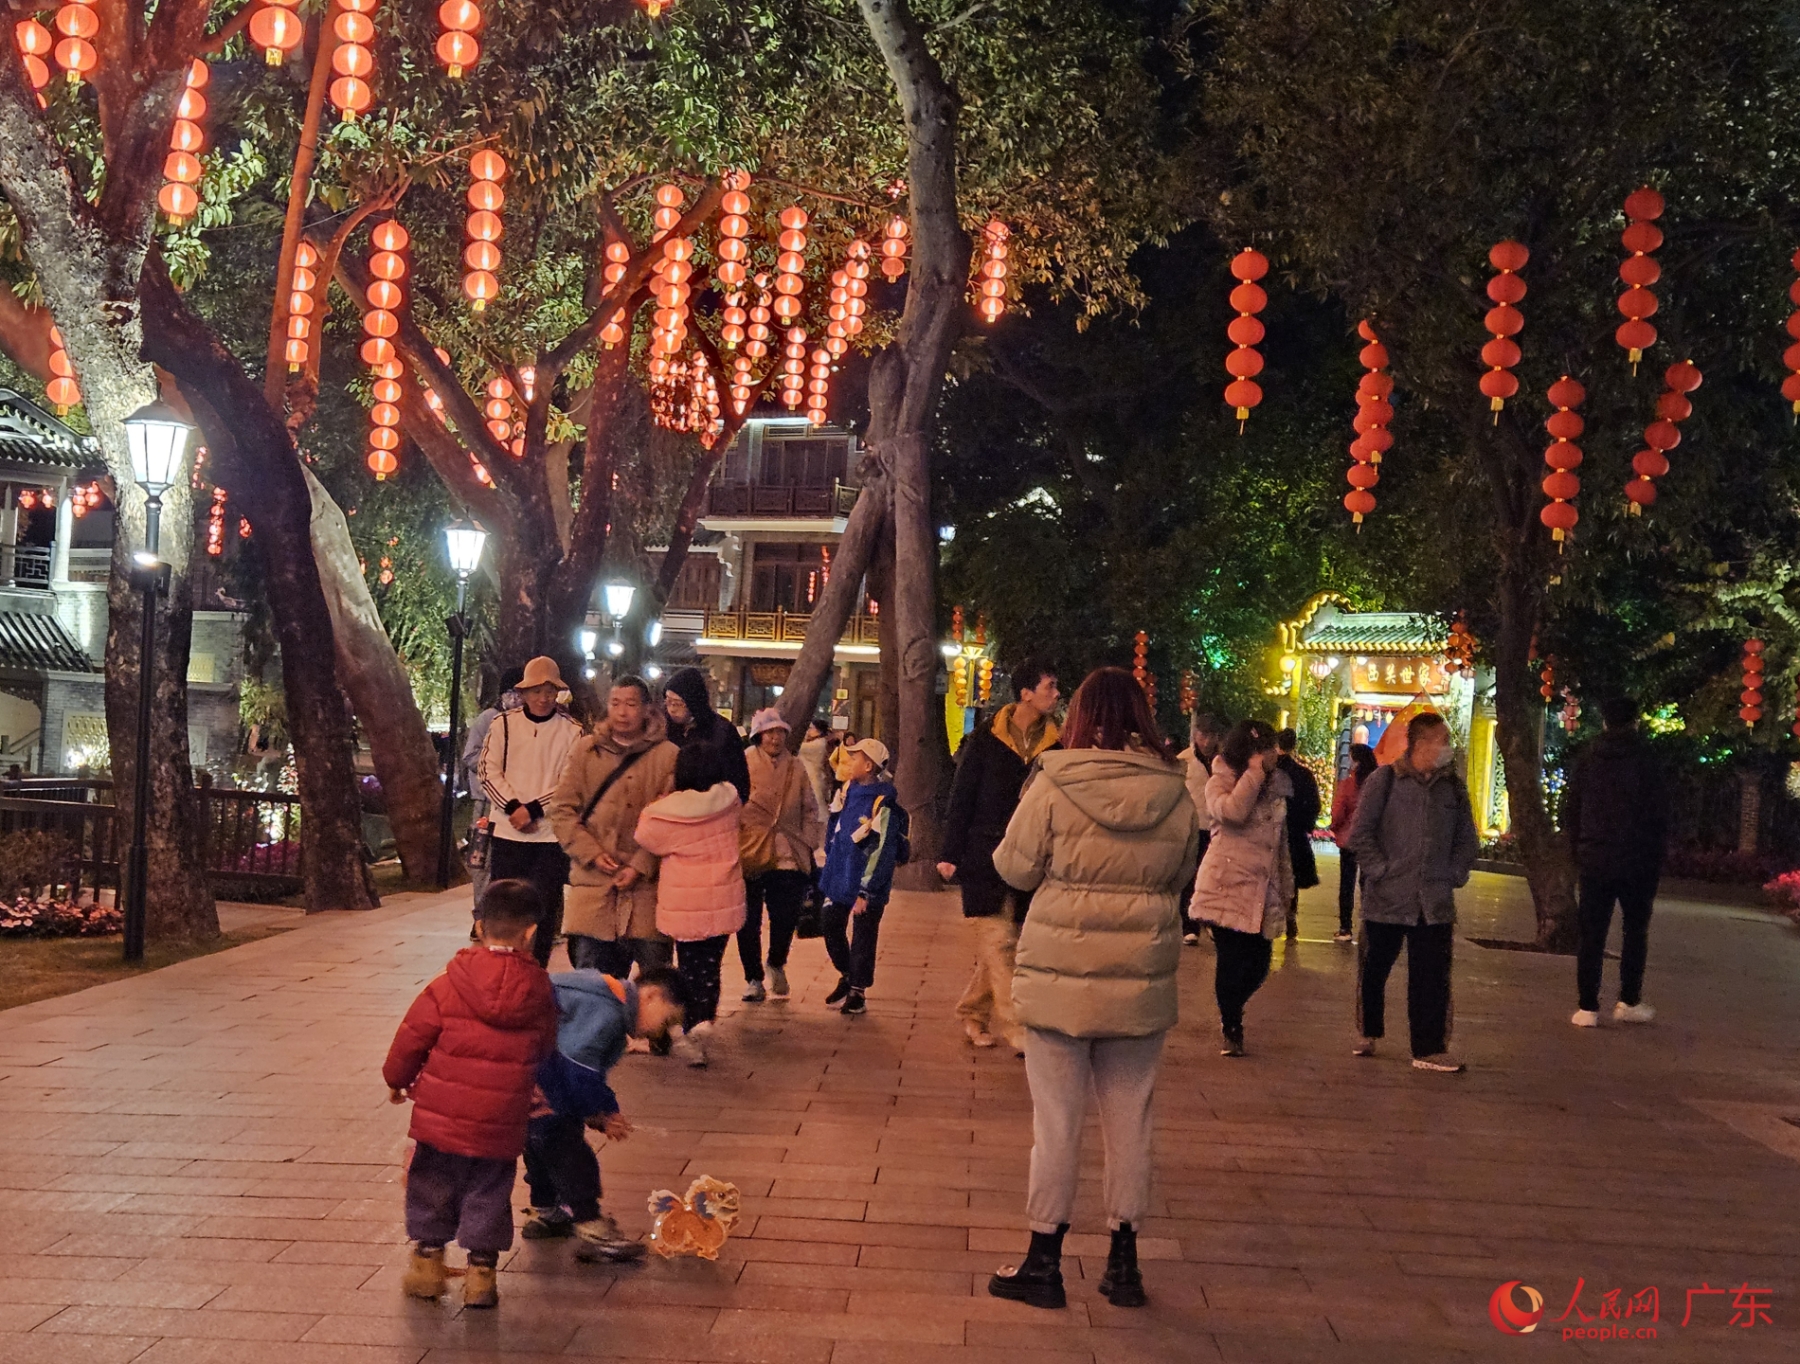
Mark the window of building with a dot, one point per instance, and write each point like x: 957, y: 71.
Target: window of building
x: 788, y: 577
x: 803, y: 461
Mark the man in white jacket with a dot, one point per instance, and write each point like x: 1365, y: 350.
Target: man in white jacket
x: 1203, y: 746
x: 521, y: 762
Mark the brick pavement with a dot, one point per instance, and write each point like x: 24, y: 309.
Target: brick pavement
x: 201, y: 1166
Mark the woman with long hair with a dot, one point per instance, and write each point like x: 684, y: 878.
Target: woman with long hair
x: 1343, y: 818
x: 1246, y: 881
x: 1104, y: 837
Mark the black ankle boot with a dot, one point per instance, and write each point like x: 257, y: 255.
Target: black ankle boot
x: 1122, y: 1284
x: 1038, y: 1281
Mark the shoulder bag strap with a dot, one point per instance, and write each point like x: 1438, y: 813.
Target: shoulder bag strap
x: 607, y: 785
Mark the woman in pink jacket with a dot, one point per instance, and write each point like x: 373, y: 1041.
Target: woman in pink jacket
x: 1343, y: 817
x: 700, y: 885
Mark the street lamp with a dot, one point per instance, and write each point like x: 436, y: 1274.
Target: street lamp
x: 158, y: 439
x: 463, y: 542
x: 618, y: 598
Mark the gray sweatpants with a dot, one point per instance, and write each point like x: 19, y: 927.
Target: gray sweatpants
x: 1120, y: 1072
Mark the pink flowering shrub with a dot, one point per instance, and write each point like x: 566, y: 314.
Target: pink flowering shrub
x: 24, y: 917
x: 1784, y: 890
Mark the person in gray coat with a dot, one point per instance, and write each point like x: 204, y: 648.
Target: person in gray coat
x: 1414, y: 840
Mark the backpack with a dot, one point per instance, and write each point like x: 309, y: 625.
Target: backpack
x: 902, y: 834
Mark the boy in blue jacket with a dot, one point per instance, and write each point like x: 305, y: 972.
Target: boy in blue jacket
x: 865, y: 838
x: 595, y: 1015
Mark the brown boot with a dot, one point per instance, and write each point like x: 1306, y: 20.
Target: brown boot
x: 479, y: 1287
x: 425, y: 1273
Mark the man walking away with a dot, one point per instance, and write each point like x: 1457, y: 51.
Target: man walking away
x: 1415, y: 843
x: 1205, y: 739
x: 470, y: 776
x: 990, y: 773
x: 1615, y: 813
x: 521, y: 762
x: 1302, y: 819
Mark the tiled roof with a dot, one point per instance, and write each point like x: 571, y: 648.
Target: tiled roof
x: 1377, y: 632
x: 30, y: 435
x: 39, y: 643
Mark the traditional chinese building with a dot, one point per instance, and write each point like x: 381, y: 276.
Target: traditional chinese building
x: 1341, y: 677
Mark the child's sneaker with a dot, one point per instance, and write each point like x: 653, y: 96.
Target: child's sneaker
x: 838, y: 993
x: 754, y: 993
x: 602, y: 1240
x: 641, y: 1045
x: 547, y: 1224
x: 425, y: 1273
x: 480, y: 1286
x: 1585, y: 1018
x: 689, y: 1048
x: 853, y: 1003
x: 778, y: 985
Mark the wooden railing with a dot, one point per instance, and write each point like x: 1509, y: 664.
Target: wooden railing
x: 783, y: 627
x: 756, y: 499
x: 249, y: 839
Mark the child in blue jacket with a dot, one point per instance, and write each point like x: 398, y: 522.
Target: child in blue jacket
x: 595, y: 1015
x: 865, y: 838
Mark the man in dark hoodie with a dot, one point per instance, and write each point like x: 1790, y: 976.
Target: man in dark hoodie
x: 1615, y: 812
x: 692, y: 720
x: 1302, y: 819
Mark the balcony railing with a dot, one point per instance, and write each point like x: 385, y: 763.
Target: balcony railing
x: 783, y: 627
x: 24, y: 566
x: 756, y: 499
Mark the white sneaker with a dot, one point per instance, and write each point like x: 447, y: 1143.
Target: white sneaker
x: 689, y: 1048
x: 1632, y: 1013
x: 1585, y: 1018
x: 1443, y: 1062
x: 778, y: 985
x: 754, y: 993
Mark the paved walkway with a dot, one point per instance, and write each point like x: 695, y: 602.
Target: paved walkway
x: 201, y: 1166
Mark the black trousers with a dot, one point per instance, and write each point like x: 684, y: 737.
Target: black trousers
x: 1189, y: 924
x: 546, y: 866
x: 1428, y: 953
x: 851, y: 940
x: 561, y: 1168
x: 784, y: 892
x: 1242, y: 967
x: 1635, y: 895
x: 699, y: 963
x: 614, y: 956
x: 1346, y: 888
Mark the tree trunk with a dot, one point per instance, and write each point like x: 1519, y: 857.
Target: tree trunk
x: 887, y: 681
x: 406, y: 763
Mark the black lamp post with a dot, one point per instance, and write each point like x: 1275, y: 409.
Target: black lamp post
x: 463, y: 540
x: 158, y: 437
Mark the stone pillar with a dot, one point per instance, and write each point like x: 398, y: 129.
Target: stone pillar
x: 9, y: 533
x: 1749, y: 809
x: 65, y: 536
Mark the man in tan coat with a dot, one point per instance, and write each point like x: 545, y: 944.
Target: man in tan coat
x: 610, y: 906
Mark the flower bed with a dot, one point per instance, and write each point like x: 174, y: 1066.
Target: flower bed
x: 25, y: 917
x: 1784, y: 890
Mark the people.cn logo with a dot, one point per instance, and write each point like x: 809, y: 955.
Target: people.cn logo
x: 1506, y: 1314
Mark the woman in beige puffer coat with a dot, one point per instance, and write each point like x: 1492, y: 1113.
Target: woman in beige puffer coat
x: 1104, y: 836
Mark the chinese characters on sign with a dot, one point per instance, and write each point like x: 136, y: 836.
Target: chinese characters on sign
x: 1400, y: 676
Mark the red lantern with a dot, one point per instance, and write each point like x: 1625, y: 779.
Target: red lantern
x: 793, y: 368
x: 893, y: 248
x: 276, y: 29
x: 1750, y: 699
x: 78, y: 24
x: 993, y: 270
x: 1790, y: 386
x: 181, y: 169
x: 487, y: 168
x: 1639, y: 272
x: 385, y: 294
x: 62, y: 390
x: 1505, y: 321
x: 1374, y: 410
x: 734, y: 231
x: 1563, y: 457
x: 790, y: 263
x: 1662, y: 435
x: 456, y: 47
x: 1245, y: 363
x: 34, y: 43
x: 354, y: 59
x: 1548, y: 678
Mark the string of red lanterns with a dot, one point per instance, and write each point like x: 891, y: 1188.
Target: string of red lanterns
x: 181, y: 168
x: 1639, y: 271
x: 1246, y: 362
x: 457, y: 48
x: 78, y: 24
x: 734, y: 231
x: 1564, y: 457
x: 818, y: 386
x: 618, y: 258
x: 487, y: 168
x: 1750, y: 699
x: 62, y: 390
x: 1374, y: 410
x: 992, y: 301
x: 793, y: 367
x: 1790, y: 386
x: 501, y: 419
x: 382, y: 324
x: 1504, y: 320
x: 1662, y: 435
x: 353, y: 60
x: 215, y: 524
x: 791, y: 263
x: 300, y: 305
x: 84, y: 497
x: 34, y: 43
x: 1548, y: 678
x: 276, y: 29
x: 893, y: 248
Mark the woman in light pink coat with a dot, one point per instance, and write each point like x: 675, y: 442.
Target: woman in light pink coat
x: 700, y: 884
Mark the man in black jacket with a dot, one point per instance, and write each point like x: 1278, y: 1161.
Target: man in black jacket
x: 1302, y: 819
x: 1615, y: 812
x: 990, y: 772
x: 692, y: 720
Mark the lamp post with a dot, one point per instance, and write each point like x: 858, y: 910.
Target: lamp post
x: 463, y: 541
x: 158, y: 438
x: 618, y: 598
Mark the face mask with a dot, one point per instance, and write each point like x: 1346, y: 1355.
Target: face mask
x: 1443, y: 757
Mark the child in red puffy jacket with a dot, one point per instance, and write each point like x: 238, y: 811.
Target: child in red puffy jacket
x: 466, y: 1054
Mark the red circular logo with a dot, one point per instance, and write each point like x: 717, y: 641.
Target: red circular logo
x: 1506, y: 1314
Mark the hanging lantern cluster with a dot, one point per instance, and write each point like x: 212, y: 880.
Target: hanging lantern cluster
x: 856, y: 287
x: 34, y: 43
x: 1571, y: 710
x: 276, y: 29
x: 793, y: 367
x: 300, y: 305
x: 502, y: 421
x: 181, y: 168
x: 457, y: 48
x: 1374, y: 410
x: 789, y: 265
x: 618, y: 260
x: 734, y: 231
x: 1790, y: 386
x: 993, y: 270
x: 78, y: 24
x: 31, y: 498
x: 1504, y: 320
x: 1750, y: 699
x: 1140, y: 659
x: 84, y: 498
x: 818, y: 386
x: 62, y: 389
x: 1460, y: 650
x: 673, y: 271
x: 1547, y: 677
x: 381, y: 322
x: 1190, y: 698
x: 215, y: 524
x: 1246, y: 362
x: 352, y: 59
x: 1564, y: 458
x: 1662, y: 435
x: 487, y: 168
x: 703, y: 400
x: 893, y: 248
x: 1639, y: 271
